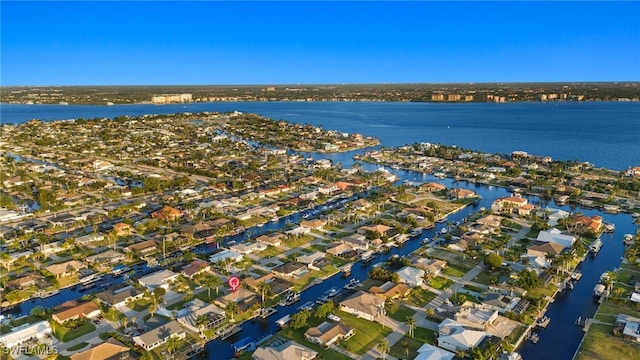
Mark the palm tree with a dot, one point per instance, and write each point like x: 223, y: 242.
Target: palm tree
x: 212, y: 281
x: 412, y: 324
x: 383, y: 347
x: 201, y: 323
x: 173, y: 344
x: 263, y: 288
x: 153, y: 308
x: 231, y: 308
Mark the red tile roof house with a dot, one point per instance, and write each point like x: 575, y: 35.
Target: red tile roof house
x: 122, y: 229
x: 71, y: 310
x: 167, y: 213
x: 508, y: 204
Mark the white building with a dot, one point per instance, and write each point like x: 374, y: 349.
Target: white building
x: 25, y: 332
x: 411, y: 276
x: 556, y: 236
x: 158, y: 279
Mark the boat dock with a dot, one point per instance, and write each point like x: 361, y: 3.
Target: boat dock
x: 543, y: 322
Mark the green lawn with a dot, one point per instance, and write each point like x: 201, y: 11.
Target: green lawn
x: 270, y: 252
x: 301, y: 283
x: 140, y: 304
x: 487, y: 276
x: 401, y: 313
x: 412, y: 344
x: 65, y: 335
x: 24, y: 320
x: 440, y: 283
x: 473, y: 288
x: 454, y: 271
x: 600, y: 343
x: 368, y: 334
x: 420, y: 297
x: 297, y: 241
x: 77, y: 346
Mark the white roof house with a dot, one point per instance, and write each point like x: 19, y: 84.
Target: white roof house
x: 225, y: 254
x: 158, y: 279
x: 430, y: 352
x: 454, y: 336
x: 556, y: 236
x: 555, y: 215
x: 411, y: 276
x: 24, y: 332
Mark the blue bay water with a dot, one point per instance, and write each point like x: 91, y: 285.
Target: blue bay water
x: 606, y: 134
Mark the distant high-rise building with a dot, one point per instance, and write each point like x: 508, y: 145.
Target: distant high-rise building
x: 453, y: 97
x: 437, y: 97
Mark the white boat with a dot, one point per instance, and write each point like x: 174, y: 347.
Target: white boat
x: 608, y: 227
x: 352, y: 284
x: 415, y: 232
x: 595, y: 246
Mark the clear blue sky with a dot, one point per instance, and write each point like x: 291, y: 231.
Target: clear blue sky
x: 151, y: 42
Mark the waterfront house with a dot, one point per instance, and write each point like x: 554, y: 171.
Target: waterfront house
x: 111, y: 349
x: 556, y: 236
x: 508, y: 204
x: 411, y: 276
x: 432, y: 187
x: 383, y: 230
x: 65, y: 268
x: 119, y: 295
x: 316, y: 224
x: 432, y: 266
x: 197, y: 231
x: 244, y: 298
x: 341, y: 250
x: 328, y: 333
x: 194, y: 268
x: 109, y: 257
x: 71, y: 310
x: 26, y: 281
x: 364, y: 305
x: 356, y: 242
x: 193, y: 309
x: 476, y: 316
x: 246, y: 248
x: 273, y: 239
x: 453, y: 336
x: 160, y: 278
x: 225, y: 255
x: 391, y: 290
x: 500, y: 302
x: 280, y: 349
x: 460, y: 193
x: 541, y: 249
x: 289, y: 270
x: 144, y: 248
x: 157, y: 336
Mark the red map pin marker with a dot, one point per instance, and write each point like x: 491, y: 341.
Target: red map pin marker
x: 234, y: 283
